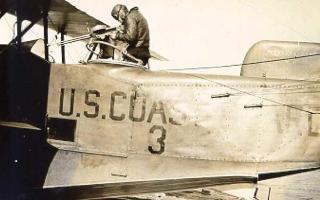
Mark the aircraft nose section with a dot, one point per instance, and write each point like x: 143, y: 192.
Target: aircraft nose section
x: 24, y: 79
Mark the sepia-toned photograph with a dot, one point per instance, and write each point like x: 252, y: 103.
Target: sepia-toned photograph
x: 159, y: 100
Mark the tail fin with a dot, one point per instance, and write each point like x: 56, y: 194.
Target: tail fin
x: 285, y: 60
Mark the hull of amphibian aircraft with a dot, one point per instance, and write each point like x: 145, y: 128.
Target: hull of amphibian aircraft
x: 127, y: 124
x: 112, y: 129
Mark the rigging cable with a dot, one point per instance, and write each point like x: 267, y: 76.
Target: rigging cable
x: 245, y: 64
x: 251, y: 94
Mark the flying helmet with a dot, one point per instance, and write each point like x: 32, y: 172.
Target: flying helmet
x: 116, y: 10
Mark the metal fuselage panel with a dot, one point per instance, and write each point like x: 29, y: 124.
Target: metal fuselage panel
x: 134, y: 125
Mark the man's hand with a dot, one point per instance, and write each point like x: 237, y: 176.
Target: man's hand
x: 113, y: 35
x: 100, y: 37
x: 120, y: 29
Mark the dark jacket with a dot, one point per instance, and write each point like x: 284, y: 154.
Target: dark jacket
x: 136, y: 34
x: 136, y: 30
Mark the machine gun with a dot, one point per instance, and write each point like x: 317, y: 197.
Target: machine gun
x: 98, y: 32
x: 97, y: 37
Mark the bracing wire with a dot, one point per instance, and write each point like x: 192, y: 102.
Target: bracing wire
x: 245, y: 64
x: 251, y: 94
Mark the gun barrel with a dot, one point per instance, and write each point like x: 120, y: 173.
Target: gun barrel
x: 97, y: 31
x: 76, y: 39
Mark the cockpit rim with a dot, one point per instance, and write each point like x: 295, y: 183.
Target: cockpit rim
x: 115, y: 62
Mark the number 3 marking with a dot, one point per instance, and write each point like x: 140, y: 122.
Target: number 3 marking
x: 160, y: 140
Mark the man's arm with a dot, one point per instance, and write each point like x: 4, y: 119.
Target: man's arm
x: 131, y: 32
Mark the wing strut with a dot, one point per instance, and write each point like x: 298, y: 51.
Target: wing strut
x: 63, y: 50
x: 45, y: 32
x: 20, y: 33
x: 19, y: 24
x: 33, y: 17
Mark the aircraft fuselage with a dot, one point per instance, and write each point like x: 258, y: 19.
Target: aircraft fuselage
x: 120, y: 124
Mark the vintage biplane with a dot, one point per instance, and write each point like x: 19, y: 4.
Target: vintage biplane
x: 108, y: 128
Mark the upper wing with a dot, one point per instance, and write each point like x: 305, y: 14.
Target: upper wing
x: 62, y: 16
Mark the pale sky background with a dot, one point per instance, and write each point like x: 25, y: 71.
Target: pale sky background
x: 201, y: 33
